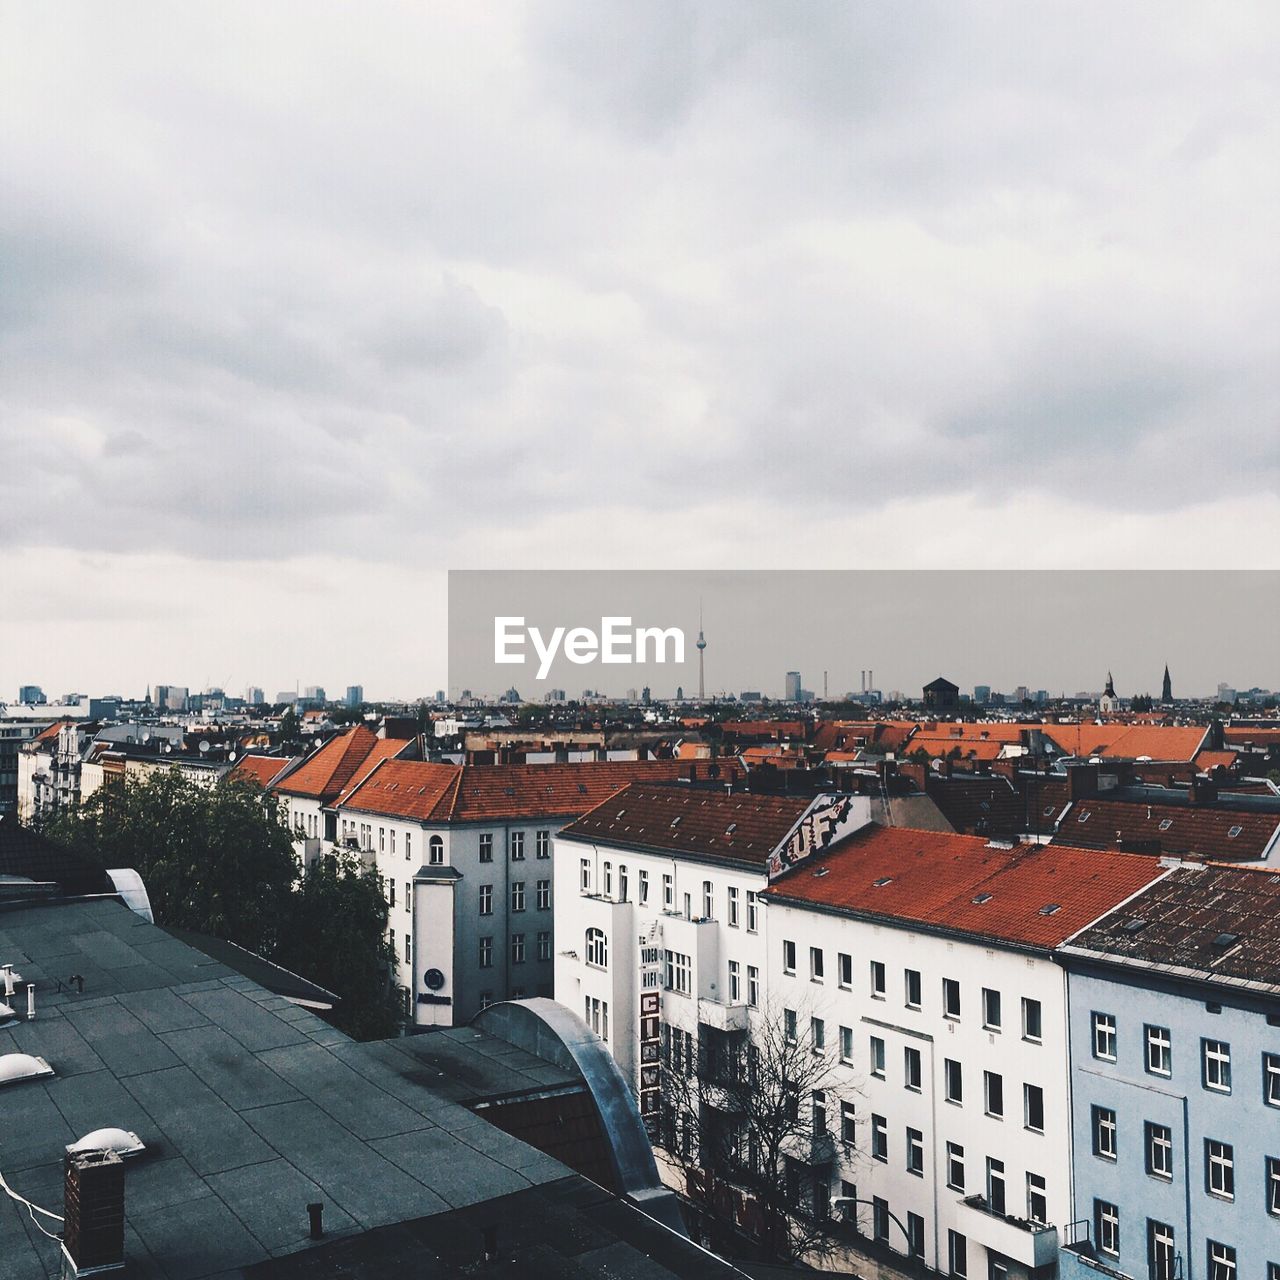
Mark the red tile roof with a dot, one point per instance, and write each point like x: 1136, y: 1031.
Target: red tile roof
x: 743, y: 826
x: 962, y: 883
x: 1207, y: 760
x: 1241, y: 734
x: 1170, y: 828
x: 260, y: 769
x: 429, y: 792
x: 1132, y: 742
x: 324, y: 775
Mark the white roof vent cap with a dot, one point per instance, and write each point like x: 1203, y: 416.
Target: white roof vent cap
x: 121, y: 1141
x: 22, y: 1066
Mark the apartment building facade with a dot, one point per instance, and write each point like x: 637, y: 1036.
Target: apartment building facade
x: 1175, y: 1025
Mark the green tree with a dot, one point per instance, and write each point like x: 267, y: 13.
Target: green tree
x: 214, y: 859
x: 289, y: 727
x: 337, y: 937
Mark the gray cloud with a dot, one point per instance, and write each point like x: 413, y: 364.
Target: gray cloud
x: 303, y: 281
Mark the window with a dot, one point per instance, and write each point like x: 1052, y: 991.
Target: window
x: 955, y: 1166
x: 817, y: 1035
x: 753, y: 911
x: 708, y: 901
x: 1222, y: 1261
x: 486, y: 999
x: 753, y: 986
x: 958, y: 1255
x: 643, y: 877
x: 543, y: 842
x: 408, y: 949
x: 606, y: 886
x: 391, y: 890
x: 435, y: 848
x: 995, y: 1185
x: 1271, y: 1079
x: 584, y: 875
x: 915, y: 1235
x: 544, y: 895
x: 950, y: 998
x: 911, y: 1069
x: 1158, y: 1141
x: 817, y: 964
x: 1160, y: 1250
x: 788, y: 956
x: 915, y: 1152
x: 679, y: 973
x: 877, y: 980
x: 733, y: 907
x: 1219, y: 1169
x: 993, y: 1094
x: 1033, y: 1107
x: 880, y: 1219
x: 1031, y: 1020
x: 393, y: 835
x: 846, y: 1044
x: 408, y: 846
x: 597, y: 948
x: 879, y: 1138
x: 990, y: 1009
x: 486, y: 953
x: 1037, y: 1198
x: 517, y: 895
x: 1106, y: 1227
x: 544, y: 944
x: 517, y: 846
x: 847, y: 1122
x: 486, y: 899
x: 668, y: 892
x: 517, y: 948
x: 1159, y: 1050
x: 953, y: 1081
x: 818, y: 1110
x: 1216, y: 1057
x: 844, y: 970
x: 486, y: 846
x: 382, y: 839
x: 1104, y: 1133
x: 877, y: 1057
x: 622, y: 883
x: 789, y: 1025
x: 911, y: 988
x: 408, y: 895
x: 1104, y: 1036
x: 1273, y: 1186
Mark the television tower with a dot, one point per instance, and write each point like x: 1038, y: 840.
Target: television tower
x: 701, y: 646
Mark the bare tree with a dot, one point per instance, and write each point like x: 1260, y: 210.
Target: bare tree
x: 749, y: 1118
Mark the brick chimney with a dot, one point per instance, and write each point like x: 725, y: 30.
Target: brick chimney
x: 1203, y: 791
x: 93, y: 1234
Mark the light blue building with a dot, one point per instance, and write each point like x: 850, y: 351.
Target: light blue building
x: 1174, y: 1011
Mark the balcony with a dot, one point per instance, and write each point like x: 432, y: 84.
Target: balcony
x: 811, y: 1149
x: 720, y: 1016
x: 1030, y: 1243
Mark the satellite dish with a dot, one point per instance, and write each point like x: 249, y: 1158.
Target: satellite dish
x: 204, y: 748
x: 231, y: 755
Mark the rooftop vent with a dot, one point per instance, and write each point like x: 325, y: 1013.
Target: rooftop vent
x: 731, y: 828
x: 981, y: 898
x: 15, y: 1067
x: 121, y: 1141
x: 675, y: 822
x: 1226, y: 939
x: 822, y: 871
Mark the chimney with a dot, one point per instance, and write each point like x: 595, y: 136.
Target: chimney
x: 1203, y: 791
x: 1082, y: 780
x: 93, y: 1233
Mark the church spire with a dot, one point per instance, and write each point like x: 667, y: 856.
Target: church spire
x: 1166, y: 694
x: 1111, y: 687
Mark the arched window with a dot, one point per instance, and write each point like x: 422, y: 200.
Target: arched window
x: 436, y: 845
x: 597, y: 948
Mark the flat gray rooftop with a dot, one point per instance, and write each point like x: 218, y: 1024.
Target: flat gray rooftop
x: 251, y: 1108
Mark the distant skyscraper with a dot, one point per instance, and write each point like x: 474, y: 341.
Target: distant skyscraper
x: 32, y: 694
x: 702, y: 644
x: 1166, y: 694
x: 355, y: 696
x: 793, y: 686
x: 981, y: 694
x: 171, y: 697
x: 314, y: 693
x: 254, y: 696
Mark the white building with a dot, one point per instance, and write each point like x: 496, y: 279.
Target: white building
x: 658, y: 910
x: 466, y: 855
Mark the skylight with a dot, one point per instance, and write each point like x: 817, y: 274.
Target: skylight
x: 1166, y: 824
x: 884, y: 880
x: 123, y: 1142
x: 1085, y: 814
x: 15, y: 1067
x: 1050, y: 908
x: 1133, y: 926
x: 980, y: 898
x: 675, y: 822
x: 1235, y: 831
x: 1226, y: 939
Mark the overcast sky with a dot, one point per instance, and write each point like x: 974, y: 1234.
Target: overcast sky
x: 301, y: 306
